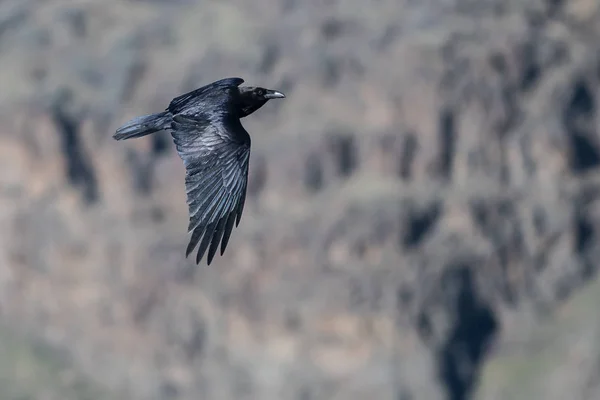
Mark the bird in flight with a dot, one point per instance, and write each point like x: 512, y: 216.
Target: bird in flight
x: 215, y: 148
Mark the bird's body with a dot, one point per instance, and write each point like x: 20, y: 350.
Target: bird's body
x: 215, y: 149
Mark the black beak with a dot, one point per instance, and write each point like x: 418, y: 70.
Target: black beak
x: 274, y: 94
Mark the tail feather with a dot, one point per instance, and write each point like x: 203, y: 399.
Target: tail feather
x: 144, y: 125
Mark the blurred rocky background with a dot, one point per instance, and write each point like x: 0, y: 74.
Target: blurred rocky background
x: 422, y: 217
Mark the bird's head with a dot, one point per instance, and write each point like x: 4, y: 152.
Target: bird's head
x: 252, y: 98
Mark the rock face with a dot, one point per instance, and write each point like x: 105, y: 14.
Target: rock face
x: 422, y: 217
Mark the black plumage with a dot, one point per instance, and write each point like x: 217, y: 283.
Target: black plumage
x: 215, y: 148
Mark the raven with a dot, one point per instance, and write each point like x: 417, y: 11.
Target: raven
x: 215, y: 149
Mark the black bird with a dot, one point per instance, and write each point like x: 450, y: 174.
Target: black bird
x: 215, y: 149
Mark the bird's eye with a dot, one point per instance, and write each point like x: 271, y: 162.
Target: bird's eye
x: 260, y: 92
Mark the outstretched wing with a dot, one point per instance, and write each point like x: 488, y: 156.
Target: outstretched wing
x: 215, y: 151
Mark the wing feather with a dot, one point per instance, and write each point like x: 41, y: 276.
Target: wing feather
x: 216, y: 154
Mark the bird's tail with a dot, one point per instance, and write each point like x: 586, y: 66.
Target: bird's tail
x: 144, y: 125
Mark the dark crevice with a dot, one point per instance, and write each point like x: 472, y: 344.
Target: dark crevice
x: 447, y: 133
x: 420, y: 223
x: 313, y: 175
x: 531, y: 69
x: 160, y: 143
x: 407, y: 157
x: 78, y: 22
x: 584, y: 233
x: 554, y: 7
x: 582, y: 101
x: 424, y: 327
x: 13, y: 19
x: 142, y: 169
x: 512, y: 112
x: 531, y: 72
x: 475, y: 325
x: 343, y: 146
x: 80, y: 171
x: 498, y: 63
x: 498, y: 222
x: 508, y: 250
x: 481, y: 215
x: 578, y: 120
x: 404, y: 296
x: 585, y: 154
x: 333, y: 28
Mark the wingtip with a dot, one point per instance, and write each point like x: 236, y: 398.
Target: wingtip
x: 189, y: 250
x: 198, y: 259
x: 212, y: 251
